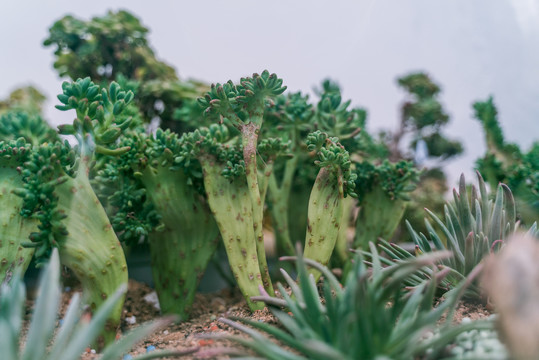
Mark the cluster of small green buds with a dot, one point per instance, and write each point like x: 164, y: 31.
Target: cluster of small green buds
x: 163, y: 148
x: 291, y: 110
x: 219, y: 100
x: 396, y: 179
x: 206, y: 140
x: 273, y: 147
x: 34, y: 129
x: 235, y: 166
x: 135, y: 218
x: 331, y: 154
x: 14, y: 152
x: 258, y: 87
x: 242, y: 103
x: 334, y: 117
x: 98, y: 112
x: 47, y: 167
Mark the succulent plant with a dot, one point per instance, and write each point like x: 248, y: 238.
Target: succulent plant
x: 369, y: 316
x: 15, y: 228
x: 44, y: 341
x: 334, y: 182
x: 243, y: 106
x: 474, y: 226
x: 383, y: 195
x: 508, y: 163
x: 162, y: 200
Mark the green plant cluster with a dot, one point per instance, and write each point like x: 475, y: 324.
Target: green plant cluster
x: 507, y: 163
x: 226, y: 162
x: 114, y: 47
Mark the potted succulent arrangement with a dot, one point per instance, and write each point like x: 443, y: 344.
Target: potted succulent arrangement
x: 247, y: 165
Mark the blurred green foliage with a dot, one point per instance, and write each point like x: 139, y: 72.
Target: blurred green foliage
x: 507, y: 163
x: 114, y: 47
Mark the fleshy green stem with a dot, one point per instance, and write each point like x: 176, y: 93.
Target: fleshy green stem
x: 343, y: 245
x: 91, y: 248
x: 378, y: 217
x: 249, y: 141
x: 324, y: 217
x: 14, y: 229
x: 181, y: 251
x: 230, y: 203
x: 279, y: 199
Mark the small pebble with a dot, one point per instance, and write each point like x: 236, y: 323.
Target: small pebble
x: 150, y: 348
x: 165, y: 332
x: 92, y: 351
x: 152, y: 299
x: 131, y: 320
x: 213, y: 317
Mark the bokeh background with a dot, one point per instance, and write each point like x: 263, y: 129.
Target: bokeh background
x: 473, y: 49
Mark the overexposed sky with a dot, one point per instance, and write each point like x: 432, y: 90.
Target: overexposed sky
x: 472, y: 48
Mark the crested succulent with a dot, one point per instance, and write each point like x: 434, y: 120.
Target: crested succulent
x: 229, y: 198
x: 369, y: 316
x: 58, y: 193
x: 243, y: 107
x: 294, y: 118
x: 383, y: 194
x: 423, y: 116
x: 160, y: 197
x: 44, y: 341
x: 334, y: 182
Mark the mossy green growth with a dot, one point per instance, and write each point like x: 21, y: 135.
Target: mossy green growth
x: 33, y: 128
x: 14, y: 228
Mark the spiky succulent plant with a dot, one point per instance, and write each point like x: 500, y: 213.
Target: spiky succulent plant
x: 474, y: 226
x: 44, y: 340
x: 369, y: 316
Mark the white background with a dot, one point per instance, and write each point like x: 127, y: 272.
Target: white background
x: 471, y: 48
